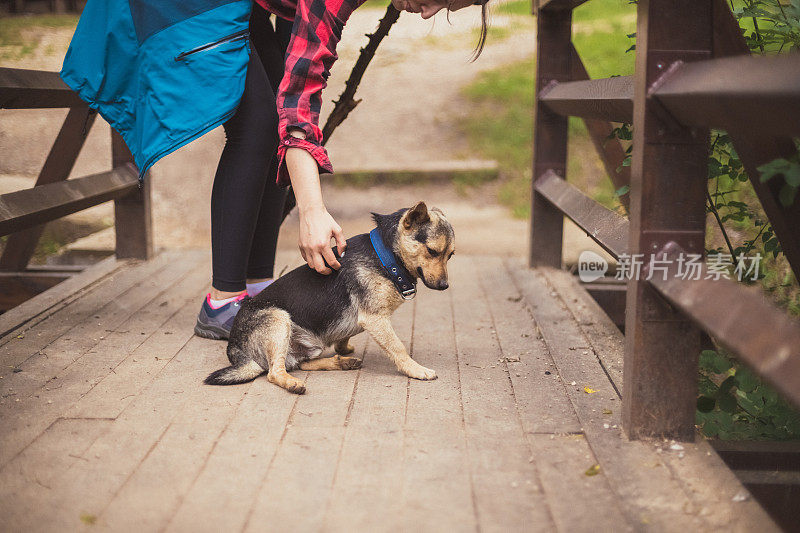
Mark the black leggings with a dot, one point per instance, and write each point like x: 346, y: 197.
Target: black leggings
x: 246, y: 204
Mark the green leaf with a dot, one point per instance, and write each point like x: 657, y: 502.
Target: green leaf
x: 727, y: 403
x: 745, y: 380
x: 726, y: 386
x: 706, y: 404
x: 749, y: 406
x: 622, y: 190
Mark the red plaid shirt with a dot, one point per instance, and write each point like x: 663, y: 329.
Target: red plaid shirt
x: 311, y: 52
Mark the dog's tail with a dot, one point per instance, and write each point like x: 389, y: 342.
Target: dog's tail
x: 231, y: 375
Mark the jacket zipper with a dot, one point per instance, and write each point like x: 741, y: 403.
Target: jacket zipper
x: 239, y: 35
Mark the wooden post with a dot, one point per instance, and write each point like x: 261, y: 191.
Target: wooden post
x: 132, y: 215
x: 668, y: 182
x: 553, y: 60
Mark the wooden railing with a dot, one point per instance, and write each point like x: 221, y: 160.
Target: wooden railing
x: 23, y: 213
x: 693, y: 72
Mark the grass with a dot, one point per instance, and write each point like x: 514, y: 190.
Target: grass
x: 16, y: 41
x: 499, y: 126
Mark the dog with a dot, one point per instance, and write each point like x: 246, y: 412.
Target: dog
x: 288, y: 325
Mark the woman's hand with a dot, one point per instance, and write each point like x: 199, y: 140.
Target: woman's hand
x: 317, y: 227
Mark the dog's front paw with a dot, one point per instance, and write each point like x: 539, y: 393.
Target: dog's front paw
x: 349, y: 363
x: 288, y: 382
x: 415, y: 370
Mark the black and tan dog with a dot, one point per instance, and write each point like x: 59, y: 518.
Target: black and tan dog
x: 289, y: 324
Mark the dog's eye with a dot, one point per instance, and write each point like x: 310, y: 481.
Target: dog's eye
x: 433, y: 252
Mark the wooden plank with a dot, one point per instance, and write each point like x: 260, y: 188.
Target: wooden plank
x: 307, y: 456
x: 38, y: 307
x: 604, y: 226
x: 540, y: 397
x: 608, y: 148
x: 655, y: 490
x: 28, y: 480
x: 550, y: 134
x: 19, y: 287
x: 144, y: 502
x: 561, y: 453
x: 507, y: 491
x: 760, y: 93
x: 18, y: 345
x: 599, y: 330
x: 370, y: 469
x: 662, y: 346
x: 169, y: 324
x: 438, y: 491
x: 176, y: 394
x: 35, y: 89
x: 236, y: 467
x: 609, y: 99
x: 133, y: 219
x: 716, y: 489
x: 57, y: 167
x: 761, y: 334
x: 30, y: 207
x: 563, y: 460
x: 40, y: 357
x: 647, y: 492
x: 48, y: 386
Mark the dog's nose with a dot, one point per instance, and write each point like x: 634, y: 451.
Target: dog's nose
x: 442, y: 285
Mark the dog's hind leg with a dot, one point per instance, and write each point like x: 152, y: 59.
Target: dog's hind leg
x: 343, y: 347
x: 242, y: 369
x: 274, y: 339
x: 331, y: 363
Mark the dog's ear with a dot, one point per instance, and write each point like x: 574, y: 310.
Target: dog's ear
x: 416, y: 215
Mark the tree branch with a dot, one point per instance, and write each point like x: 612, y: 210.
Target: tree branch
x: 346, y: 102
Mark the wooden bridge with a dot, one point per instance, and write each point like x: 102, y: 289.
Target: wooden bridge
x: 544, y: 417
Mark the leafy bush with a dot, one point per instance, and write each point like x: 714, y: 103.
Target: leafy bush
x: 734, y: 404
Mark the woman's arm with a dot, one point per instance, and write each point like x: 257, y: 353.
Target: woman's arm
x: 317, y: 226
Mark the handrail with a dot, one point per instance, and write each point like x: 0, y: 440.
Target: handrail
x: 761, y: 92
x: 31, y: 207
x: 757, y: 100
x: 22, y: 213
x: 607, y: 228
x: 762, y: 335
x: 35, y: 89
x: 605, y: 98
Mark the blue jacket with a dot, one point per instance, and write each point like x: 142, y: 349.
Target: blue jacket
x: 161, y: 72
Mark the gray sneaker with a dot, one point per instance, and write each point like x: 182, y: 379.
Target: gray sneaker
x: 216, y: 323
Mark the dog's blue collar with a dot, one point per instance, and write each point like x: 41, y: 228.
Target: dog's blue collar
x: 394, y: 269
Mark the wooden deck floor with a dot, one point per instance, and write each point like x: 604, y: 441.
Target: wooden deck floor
x: 106, y: 423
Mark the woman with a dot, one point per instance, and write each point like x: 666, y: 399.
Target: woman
x: 162, y: 73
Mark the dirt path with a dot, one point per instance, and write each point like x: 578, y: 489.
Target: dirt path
x: 409, y: 114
